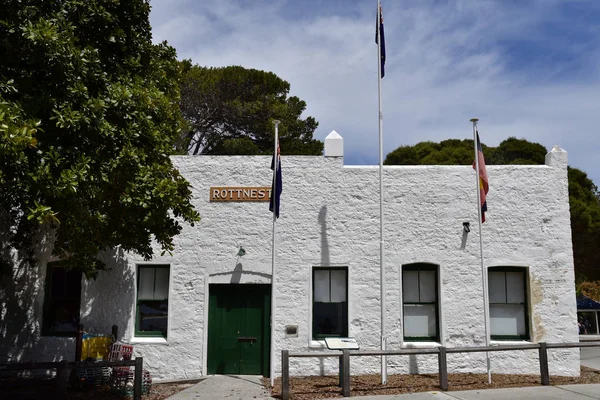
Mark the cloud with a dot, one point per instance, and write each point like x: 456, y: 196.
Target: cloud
x: 525, y: 68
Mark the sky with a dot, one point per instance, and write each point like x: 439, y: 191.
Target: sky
x: 526, y: 68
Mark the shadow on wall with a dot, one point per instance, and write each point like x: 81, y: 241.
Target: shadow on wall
x: 104, y: 302
x: 21, y: 296
x: 109, y: 300
x: 413, y: 365
x: 19, y: 314
x: 236, y: 276
x: 325, y: 260
x: 465, y: 234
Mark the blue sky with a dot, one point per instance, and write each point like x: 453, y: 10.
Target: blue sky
x: 525, y: 68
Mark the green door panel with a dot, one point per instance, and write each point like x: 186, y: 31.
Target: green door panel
x: 238, y: 329
x: 251, y: 332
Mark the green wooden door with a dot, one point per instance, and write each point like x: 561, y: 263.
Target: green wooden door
x: 238, y: 329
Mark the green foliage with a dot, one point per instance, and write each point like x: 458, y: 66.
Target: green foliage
x: 88, y: 119
x: 231, y: 110
x: 585, y: 224
x: 460, y: 152
x: 519, y: 151
x: 583, y: 194
x: 589, y: 289
x: 447, y: 152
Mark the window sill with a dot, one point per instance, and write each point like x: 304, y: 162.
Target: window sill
x: 317, y: 345
x: 588, y: 337
x: 420, y: 345
x: 153, y: 340
x: 496, y: 342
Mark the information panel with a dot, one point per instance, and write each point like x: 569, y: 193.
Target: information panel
x: 336, y: 343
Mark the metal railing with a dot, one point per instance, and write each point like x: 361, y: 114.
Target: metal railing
x: 441, y: 351
x: 62, y: 371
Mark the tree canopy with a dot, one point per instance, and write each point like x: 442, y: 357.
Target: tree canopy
x: 584, y: 198
x: 230, y: 111
x: 88, y: 118
x: 460, y: 152
x: 584, y: 202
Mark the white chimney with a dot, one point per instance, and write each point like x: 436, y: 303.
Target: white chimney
x: 334, y: 145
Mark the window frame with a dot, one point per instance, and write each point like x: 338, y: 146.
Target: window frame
x: 150, y: 334
x: 48, y: 300
x: 422, y: 267
x: 525, y: 272
x: 345, y: 329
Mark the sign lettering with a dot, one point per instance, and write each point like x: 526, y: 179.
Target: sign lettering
x: 231, y: 193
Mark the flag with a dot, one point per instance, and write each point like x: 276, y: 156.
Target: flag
x: 484, y: 187
x: 382, y: 36
x: 276, y: 194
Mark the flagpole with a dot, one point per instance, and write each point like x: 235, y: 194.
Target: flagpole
x: 381, y: 243
x: 483, y: 270
x: 273, y: 269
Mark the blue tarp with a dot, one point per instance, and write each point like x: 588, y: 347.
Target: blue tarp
x: 585, y: 303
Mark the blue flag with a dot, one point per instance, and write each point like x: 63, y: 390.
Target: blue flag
x: 276, y: 194
x: 382, y: 36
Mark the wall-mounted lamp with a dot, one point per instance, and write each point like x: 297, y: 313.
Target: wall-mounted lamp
x: 466, y: 227
x: 241, y: 252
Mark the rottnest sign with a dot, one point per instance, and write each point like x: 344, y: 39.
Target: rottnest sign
x: 240, y: 193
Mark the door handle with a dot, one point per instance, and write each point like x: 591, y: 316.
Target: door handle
x: 246, y: 339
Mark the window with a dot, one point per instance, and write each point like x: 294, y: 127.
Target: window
x: 420, y: 302
x: 62, y: 300
x: 507, y: 288
x: 152, y: 300
x: 330, y: 302
x: 587, y: 321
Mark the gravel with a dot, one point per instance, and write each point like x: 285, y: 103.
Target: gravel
x: 321, y: 387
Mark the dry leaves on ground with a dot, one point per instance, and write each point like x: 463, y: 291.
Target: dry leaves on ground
x: 30, y: 389
x: 320, y: 387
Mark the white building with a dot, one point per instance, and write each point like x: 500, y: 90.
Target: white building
x: 206, y: 309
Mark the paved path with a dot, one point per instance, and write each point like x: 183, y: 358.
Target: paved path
x: 241, y: 387
x: 566, y: 392
x: 225, y: 387
x: 590, y: 357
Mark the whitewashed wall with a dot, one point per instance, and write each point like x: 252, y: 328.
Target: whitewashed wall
x: 330, y: 216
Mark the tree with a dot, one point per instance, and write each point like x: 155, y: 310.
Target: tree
x: 88, y: 119
x: 518, y: 151
x: 447, y: 152
x: 230, y: 111
x: 584, y: 198
x: 589, y: 289
x: 585, y: 224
